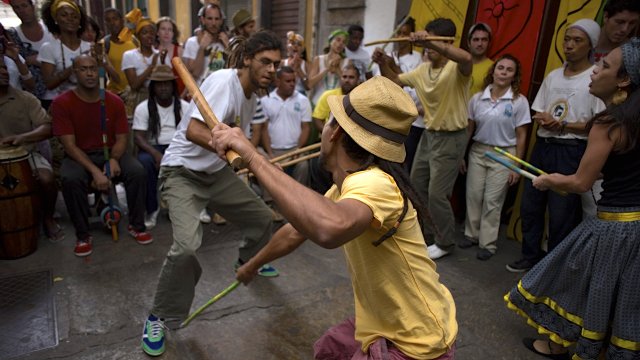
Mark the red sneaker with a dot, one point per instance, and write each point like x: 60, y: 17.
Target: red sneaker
x: 83, y: 247
x: 142, y: 237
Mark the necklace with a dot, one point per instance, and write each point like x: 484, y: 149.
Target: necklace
x: 437, y: 75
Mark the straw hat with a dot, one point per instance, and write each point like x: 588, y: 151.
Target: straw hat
x: 377, y: 114
x: 241, y: 17
x: 162, y: 73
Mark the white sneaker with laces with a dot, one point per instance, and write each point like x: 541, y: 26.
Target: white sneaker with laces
x: 204, y: 216
x: 150, y: 220
x: 436, y: 253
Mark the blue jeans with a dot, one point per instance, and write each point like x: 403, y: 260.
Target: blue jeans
x: 150, y: 169
x: 565, y: 212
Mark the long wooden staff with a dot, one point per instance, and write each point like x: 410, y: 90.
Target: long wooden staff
x: 395, y: 31
x: 400, y: 39
x: 209, y: 117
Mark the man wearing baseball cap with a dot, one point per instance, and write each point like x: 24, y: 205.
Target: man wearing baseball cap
x: 402, y: 310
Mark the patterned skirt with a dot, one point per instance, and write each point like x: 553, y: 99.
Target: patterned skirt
x: 587, y: 290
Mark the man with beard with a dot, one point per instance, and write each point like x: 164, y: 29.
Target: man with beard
x: 563, y: 106
x: 203, y: 53
x: 192, y: 175
x: 76, y: 116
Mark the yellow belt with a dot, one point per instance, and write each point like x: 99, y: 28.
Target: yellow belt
x: 623, y: 216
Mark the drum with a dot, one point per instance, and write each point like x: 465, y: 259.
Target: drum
x: 19, y: 206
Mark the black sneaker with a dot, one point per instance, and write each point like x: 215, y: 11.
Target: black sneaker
x: 484, y: 254
x: 467, y: 242
x: 519, y: 266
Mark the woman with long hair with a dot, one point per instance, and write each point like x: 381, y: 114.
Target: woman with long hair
x: 66, y: 21
x: 498, y: 116
x: 167, y: 35
x: 326, y: 69
x: 585, y: 292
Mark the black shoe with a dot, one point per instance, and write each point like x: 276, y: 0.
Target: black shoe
x: 466, y: 243
x: 484, y: 254
x: 528, y: 343
x: 519, y: 266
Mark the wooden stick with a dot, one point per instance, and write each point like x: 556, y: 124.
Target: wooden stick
x: 286, y: 163
x: 222, y: 294
x: 517, y: 170
x: 295, y: 152
x: 209, y: 117
x: 517, y: 159
x: 400, y: 39
x: 395, y: 31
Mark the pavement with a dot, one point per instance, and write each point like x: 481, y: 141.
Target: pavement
x: 103, y: 300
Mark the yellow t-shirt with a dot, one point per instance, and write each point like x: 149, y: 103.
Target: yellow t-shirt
x: 480, y: 71
x: 397, y: 290
x: 321, y: 111
x: 444, y: 94
x: 115, y: 57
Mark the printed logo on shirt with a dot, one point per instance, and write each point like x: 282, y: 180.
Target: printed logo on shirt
x: 296, y: 107
x: 559, y: 110
x: 508, y: 110
x: 216, y: 61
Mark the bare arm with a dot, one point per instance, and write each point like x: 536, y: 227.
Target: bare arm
x: 51, y: 78
x: 304, y: 135
x: 42, y: 132
x: 199, y: 134
x: 521, y: 142
x: 256, y: 130
x: 387, y: 66
x: 598, y: 149
x: 196, y: 66
x: 327, y: 223
x: 451, y: 52
x: 266, y: 141
x: 319, y: 123
x: 140, y: 139
x: 282, y: 243
x: 315, y: 75
x: 79, y: 156
x: 137, y: 81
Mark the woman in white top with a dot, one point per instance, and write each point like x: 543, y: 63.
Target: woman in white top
x: 326, y: 69
x: 65, y: 20
x: 297, y: 60
x: 137, y: 64
x: 498, y: 116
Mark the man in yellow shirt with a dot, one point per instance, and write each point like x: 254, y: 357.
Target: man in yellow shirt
x: 350, y: 79
x: 479, y: 42
x: 372, y: 212
x: 442, y: 85
x: 115, y: 48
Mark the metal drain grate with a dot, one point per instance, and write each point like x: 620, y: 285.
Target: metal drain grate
x: 28, y: 314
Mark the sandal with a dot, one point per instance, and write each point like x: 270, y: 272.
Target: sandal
x: 528, y: 343
x: 55, y: 236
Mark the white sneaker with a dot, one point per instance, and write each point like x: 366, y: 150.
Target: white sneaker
x: 151, y: 219
x: 436, y: 253
x: 204, y: 216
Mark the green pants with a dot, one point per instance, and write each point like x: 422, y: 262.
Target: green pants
x: 433, y: 174
x: 186, y: 193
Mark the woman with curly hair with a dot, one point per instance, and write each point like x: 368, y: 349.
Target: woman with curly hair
x: 66, y: 21
x: 498, y: 116
x: 297, y: 60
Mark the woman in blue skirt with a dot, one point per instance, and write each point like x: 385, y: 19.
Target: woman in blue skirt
x: 586, y: 292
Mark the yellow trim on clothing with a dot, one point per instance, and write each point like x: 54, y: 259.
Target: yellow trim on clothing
x: 623, y: 216
x: 550, y: 303
x: 625, y: 344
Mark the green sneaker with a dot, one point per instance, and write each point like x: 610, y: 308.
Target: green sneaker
x: 153, y: 336
x: 266, y: 270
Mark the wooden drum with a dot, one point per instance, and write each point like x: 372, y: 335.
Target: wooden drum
x: 19, y: 205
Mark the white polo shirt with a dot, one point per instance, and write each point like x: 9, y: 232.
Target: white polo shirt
x: 496, y: 122
x: 225, y: 95
x: 286, y: 118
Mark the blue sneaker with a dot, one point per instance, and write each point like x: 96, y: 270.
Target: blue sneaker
x: 153, y: 336
x: 266, y: 270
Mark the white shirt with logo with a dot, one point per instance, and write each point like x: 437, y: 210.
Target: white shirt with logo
x: 285, y: 118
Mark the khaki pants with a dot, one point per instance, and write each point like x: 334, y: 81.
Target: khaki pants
x: 433, y: 174
x: 186, y: 193
x: 487, y: 188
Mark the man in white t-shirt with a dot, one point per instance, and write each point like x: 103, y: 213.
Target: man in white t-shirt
x: 289, y: 114
x: 192, y: 175
x: 203, y: 53
x: 356, y: 53
x: 563, y: 106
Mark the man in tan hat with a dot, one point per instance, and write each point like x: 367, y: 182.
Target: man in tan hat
x: 244, y: 24
x: 402, y: 310
x: 154, y: 123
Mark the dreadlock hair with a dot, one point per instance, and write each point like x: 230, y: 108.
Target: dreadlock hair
x: 241, y: 48
x: 397, y: 172
x: 51, y: 24
x: 154, y: 117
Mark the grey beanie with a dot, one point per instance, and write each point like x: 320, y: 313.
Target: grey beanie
x: 589, y: 27
x: 631, y: 59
